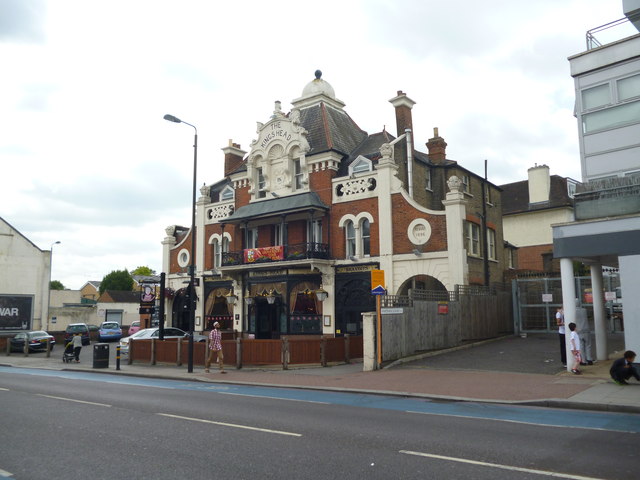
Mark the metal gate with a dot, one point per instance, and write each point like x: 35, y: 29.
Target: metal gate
x: 536, y: 299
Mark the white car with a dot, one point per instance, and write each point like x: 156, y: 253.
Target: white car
x: 169, y: 332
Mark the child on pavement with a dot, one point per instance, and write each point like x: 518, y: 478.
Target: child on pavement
x: 623, y: 369
x: 575, y: 349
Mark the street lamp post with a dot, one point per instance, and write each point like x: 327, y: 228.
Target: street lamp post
x: 192, y: 265
x: 49, y: 286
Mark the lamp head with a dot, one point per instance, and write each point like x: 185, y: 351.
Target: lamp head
x: 171, y: 118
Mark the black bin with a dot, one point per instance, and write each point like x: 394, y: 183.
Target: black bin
x: 100, y: 355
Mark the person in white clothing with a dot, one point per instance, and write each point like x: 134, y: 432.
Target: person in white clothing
x: 574, y: 340
x: 560, y: 324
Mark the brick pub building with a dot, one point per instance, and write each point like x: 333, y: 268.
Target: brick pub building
x: 316, y: 204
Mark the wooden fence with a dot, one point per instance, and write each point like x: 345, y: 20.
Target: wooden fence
x: 241, y: 352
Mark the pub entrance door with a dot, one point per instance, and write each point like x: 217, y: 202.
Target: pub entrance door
x: 267, y: 319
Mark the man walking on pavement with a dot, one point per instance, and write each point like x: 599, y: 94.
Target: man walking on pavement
x: 215, y: 347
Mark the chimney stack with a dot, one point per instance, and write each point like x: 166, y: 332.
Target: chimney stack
x: 233, y: 157
x: 403, y: 106
x: 437, y: 148
x: 539, y: 183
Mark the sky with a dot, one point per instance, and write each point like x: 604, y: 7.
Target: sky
x: 87, y: 159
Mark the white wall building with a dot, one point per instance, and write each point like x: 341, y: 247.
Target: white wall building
x: 24, y: 281
x: 607, y: 206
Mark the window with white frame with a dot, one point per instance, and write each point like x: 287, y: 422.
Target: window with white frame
x: 297, y: 174
x: 350, y: 235
x: 360, y: 165
x: 472, y: 239
x: 278, y: 236
x: 226, y: 194
x: 365, y: 230
x: 262, y: 192
x: 427, y: 179
x: 219, y: 247
x: 314, y: 231
x: 487, y: 194
x: 252, y: 237
x: 466, y: 186
x: 491, y: 244
x: 611, y: 104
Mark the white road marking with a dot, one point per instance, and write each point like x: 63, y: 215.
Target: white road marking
x: 273, y: 398
x: 4, y: 473
x: 4, y: 390
x: 503, y: 467
x: 535, y: 424
x: 73, y: 400
x: 246, y: 427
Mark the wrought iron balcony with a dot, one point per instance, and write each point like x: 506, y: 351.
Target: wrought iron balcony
x: 276, y: 253
x: 607, y: 198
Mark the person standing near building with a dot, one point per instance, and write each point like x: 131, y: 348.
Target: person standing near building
x: 584, y: 334
x: 574, y: 341
x: 215, y: 347
x: 563, y: 345
x: 77, y: 346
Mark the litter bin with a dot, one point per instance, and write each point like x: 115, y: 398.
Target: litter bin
x: 100, y: 355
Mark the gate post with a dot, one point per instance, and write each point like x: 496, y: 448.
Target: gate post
x: 179, y: 352
x: 285, y: 353
x: 347, y: 360
x: 153, y: 351
x: 238, y: 353
x: 323, y: 352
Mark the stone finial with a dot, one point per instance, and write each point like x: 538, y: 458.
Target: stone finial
x: 454, y: 184
x: 170, y: 231
x: 204, y: 190
x: 318, y: 74
x: 386, y: 150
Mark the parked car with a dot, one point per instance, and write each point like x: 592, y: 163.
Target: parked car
x: 169, y: 332
x: 37, y: 340
x: 93, y: 328
x: 109, y: 331
x: 135, y: 327
x: 74, y: 328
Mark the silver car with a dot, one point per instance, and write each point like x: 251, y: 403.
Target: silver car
x: 169, y: 332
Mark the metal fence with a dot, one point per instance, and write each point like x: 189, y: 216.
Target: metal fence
x: 536, y: 300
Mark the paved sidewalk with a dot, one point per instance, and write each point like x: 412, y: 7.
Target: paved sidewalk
x: 444, y: 375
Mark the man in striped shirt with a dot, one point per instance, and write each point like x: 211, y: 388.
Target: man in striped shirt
x: 215, y: 347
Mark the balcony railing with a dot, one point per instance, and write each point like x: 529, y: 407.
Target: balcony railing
x: 278, y: 253
x: 607, y: 198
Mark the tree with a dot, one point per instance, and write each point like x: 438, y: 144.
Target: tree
x: 117, y: 280
x: 56, y: 285
x: 146, y: 271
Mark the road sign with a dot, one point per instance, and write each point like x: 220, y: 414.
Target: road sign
x: 391, y: 310
x: 377, y: 282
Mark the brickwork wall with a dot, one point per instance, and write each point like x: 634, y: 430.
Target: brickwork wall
x: 403, y: 214
x: 337, y: 241
x: 530, y: 258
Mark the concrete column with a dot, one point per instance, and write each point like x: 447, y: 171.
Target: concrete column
x: 455, y: 209
x: 629, y: 268
x: 568, y: 302
x: 598, y: 312
x: 369, y: 360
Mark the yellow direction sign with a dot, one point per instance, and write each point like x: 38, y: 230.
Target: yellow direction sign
x: 377, y: 282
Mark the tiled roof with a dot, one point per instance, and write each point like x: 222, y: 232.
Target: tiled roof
x: 303, y: 201
x: 515, y: 196
x: 120, y: 296
x: 330, y: 129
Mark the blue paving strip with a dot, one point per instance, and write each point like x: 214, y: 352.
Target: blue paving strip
x: 619, y: 422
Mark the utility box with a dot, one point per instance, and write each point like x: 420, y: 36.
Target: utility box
x: 100, y: 355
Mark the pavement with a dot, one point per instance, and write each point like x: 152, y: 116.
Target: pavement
x: 508, y: 370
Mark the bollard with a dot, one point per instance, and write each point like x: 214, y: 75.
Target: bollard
x: 238, y: 353
x: 118, y: 357
x: 48, y: 348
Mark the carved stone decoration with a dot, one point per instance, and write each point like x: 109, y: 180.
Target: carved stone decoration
x: 204, y: 190
x: 454, y: 184
x: 219, y: 211
x: 386, y: 151
x: 171, y: 230
x: 419, y: 231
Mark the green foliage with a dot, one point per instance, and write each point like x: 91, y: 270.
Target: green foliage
x: 117, y: 280
x: 56, y: 285
x: 143, y: 271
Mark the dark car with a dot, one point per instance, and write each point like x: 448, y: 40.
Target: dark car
x: 37, y: 341
x: 80, y: 328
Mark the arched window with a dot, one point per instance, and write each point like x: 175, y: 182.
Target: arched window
x: 365, y: 231
x: 350, y: 233
x: 217, y: 253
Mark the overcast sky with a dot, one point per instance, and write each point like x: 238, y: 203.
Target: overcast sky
x: 88, y: 160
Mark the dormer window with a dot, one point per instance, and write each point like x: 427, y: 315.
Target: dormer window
x: 360, y: 165
x: 226, y: 194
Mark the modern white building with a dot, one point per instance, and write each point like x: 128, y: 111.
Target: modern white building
x: 24, y: 281
x: 606, y: 231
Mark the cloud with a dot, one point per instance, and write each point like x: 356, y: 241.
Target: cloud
x: 22, y: 21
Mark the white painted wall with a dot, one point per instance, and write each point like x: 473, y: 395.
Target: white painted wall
x: 534, y: 228
x: 629, y: 268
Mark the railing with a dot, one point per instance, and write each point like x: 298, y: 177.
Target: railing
x: 607, y: 198
x: 617, y: 34
x: 300, y: 251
